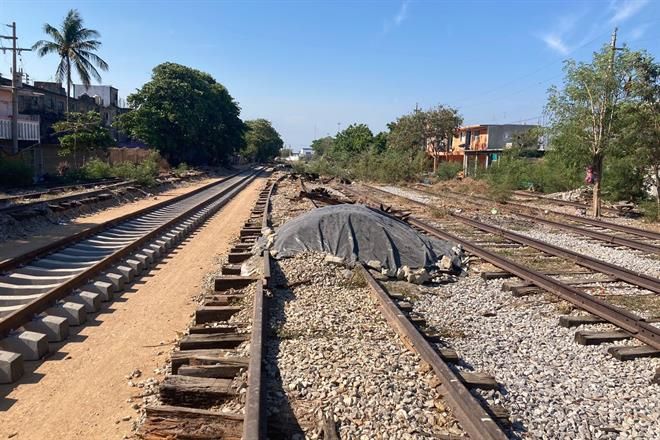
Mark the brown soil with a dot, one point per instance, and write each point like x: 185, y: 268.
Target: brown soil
x: 82, y: 391
x: 13, y: 248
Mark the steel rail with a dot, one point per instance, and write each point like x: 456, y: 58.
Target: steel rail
x: 633, y: 324
x: 586, y: 220
x: 638, y: 279
x: 55, y: 190
x: 19, y: 317
x: 254, y: 426
x: 473, y: 418
x: 564, y: 202
x: 66, y: 241
x: 71, y: 197
x: 621, y: 241
x: 646, y: 247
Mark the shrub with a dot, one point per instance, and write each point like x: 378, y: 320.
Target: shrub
x: 650, y: 210
x: 181, y: 169
x: 97, y: 169
x: 14, y: 173
x: 448, y: 170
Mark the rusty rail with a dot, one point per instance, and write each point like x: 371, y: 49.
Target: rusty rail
x: 472, y: 417
x: 254, y: 426
x: 631, y: 323
x: 585, y: 220
x: 638, y: 279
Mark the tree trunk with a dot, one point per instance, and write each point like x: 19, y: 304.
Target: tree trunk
x: 68, y: 83
x: 435, y: 164
x: 597, y: 169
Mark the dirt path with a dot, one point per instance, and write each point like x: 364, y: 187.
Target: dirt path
x: 13, y: 248
x: 82, y: 392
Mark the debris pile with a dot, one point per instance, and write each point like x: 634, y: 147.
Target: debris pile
x: 349, y: 234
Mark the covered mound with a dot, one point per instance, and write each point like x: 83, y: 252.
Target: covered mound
x: 357, y: 233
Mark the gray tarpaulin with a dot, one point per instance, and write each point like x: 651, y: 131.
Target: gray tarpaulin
x: 358, y: 233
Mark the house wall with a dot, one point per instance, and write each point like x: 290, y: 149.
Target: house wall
x: 501, y: 136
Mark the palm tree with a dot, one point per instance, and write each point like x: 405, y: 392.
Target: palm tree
x: 75, y: 45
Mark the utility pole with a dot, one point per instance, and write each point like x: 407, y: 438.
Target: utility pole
x: 16, y: 78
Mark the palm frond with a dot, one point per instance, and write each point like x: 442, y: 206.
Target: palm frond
x: 85, y: 69
x: 54, y: 33
x: 85, y: 34
x: 44, y: 47
x: 61, y: 72
x: 92, y: 57
x: 87, y: 45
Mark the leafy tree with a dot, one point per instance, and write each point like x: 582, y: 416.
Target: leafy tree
x: 262, y: 141
x: 439, y: 125
x: 380, y: 142
x: 642, y: 120
x: 407, y: 133
x: 353, y: 140
x: 422, y: 130
x: 186, y: 115
x: 527, y: 143
x: 82, y: 132
x: 74, y: 44
x: 323, y: 146
x: 286, y: 152
x: 586, y: 113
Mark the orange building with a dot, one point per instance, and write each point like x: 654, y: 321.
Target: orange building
x: 484, y: 142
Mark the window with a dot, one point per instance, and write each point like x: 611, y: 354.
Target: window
x: 60, y: 106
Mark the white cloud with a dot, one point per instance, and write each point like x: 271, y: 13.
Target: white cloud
x: 400, y: 16
x: 555, y: 43
x: 624, y: 9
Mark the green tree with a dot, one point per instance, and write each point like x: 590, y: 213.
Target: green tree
x: 425, y: 130
x: 286, y: 152
x: 82, y: 133
x: 186, y: 115
x: 380, y: 142
x: 642, y: 121
x: 353, y: 140
x: 262, y: 141
x: 586, y: 113
x: 323, y: 146
x: 74, y: 44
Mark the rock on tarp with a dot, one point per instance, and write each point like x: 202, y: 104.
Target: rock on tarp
x: 357, y: 233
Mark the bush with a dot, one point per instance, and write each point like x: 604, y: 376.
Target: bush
x: 650, y: 210
x: 144, y: 173
x: 14, y: 173
x: 448, y: 170
x: 96, y: 169
x: 181, y: 169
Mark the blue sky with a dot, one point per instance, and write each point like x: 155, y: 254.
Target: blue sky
x: 308, y: 66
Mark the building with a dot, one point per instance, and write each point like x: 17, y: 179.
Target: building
x: 478, y: 145
x: 41, y: 105
x: 28, y: 125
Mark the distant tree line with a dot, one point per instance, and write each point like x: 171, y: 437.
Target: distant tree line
x: 396, y: 154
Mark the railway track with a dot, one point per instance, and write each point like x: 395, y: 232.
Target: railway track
x: 46, y: 291
x: 61, y: 203
x: 630, y: 324
x: 559, y: 202
x: 13, y: 198
x: 604, y: 231
x: 206, y: 396
x: 478, y: 422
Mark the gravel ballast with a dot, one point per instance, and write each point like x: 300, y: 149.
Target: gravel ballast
x: 331, y: 352
x: 553, y: 387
